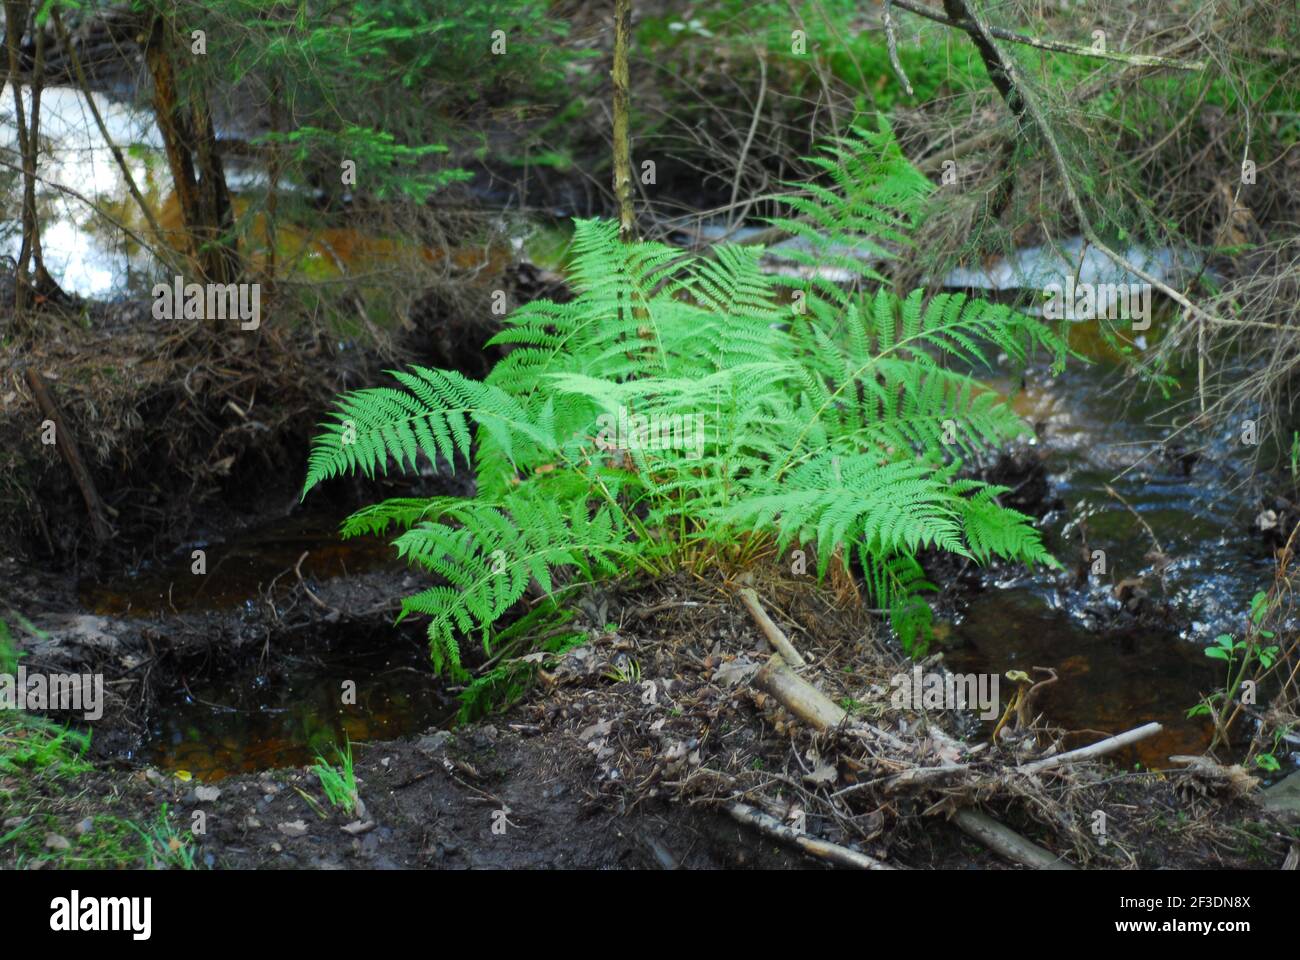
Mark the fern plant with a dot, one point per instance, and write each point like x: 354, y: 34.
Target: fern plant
x: 681, y: 401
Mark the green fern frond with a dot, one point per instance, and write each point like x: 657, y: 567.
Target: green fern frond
x: 431, y: 416
x: 488, y: 554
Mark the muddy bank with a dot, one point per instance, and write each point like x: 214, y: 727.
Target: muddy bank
x: 629, y: 750
x: 484, y: 798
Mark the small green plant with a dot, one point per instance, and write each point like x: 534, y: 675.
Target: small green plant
x: 1267, y: 762
x: 165, y: 846
x: 624, y: 670
x: 340, y: 784
x: 1245, y: 659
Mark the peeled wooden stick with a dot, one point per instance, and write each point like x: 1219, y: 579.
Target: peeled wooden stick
x: 1007, y: 842
x: 1094, y: 750
x: 823, y: 849
x: 779, y: 641
x: 798, y: 695
x: 812, y: 706
x: 919, y: 776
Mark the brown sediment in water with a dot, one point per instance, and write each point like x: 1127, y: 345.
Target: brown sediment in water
x: 240, y: 569
x: 1110, y: 681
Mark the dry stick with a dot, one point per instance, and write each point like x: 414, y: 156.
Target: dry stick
x: 798, y: 695
x: 80, y: 74
x: 311, y: 594
x: 1094, y: 750
x: 775, y: 636
x: 622, y: 143
x: 892, y: 42
x: 1145, y: 526
x: 823, y: 849
x: 749, y: 139
x: 925, y: 775
x: 67, y: 444
x: 1007, y: 842
x: 1056, y: 46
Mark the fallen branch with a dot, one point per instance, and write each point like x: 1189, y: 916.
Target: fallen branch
x: 1095, y: 750
x: 311, y: 594
x: 799, y: 696
x: 775, y: 636
x: 1005, y: 841
x: 67, y: 445
x: 892, y: 42
x: 925, y: 776
x: 822, y: 849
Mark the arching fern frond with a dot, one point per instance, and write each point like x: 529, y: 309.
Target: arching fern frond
x: 431, y: 416
x: 488, y: 553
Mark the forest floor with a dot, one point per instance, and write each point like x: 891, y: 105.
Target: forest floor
x: 627, y: 751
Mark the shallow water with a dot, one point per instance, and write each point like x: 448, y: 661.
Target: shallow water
x: 344, y: 683
x: 1200, y: 557
x: 239, y: 570
x: 254, y: 720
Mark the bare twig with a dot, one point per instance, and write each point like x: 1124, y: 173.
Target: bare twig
x: 1005, y: 841
x: 892, y: 42
x: 775, y: 636
x: 822, y: 849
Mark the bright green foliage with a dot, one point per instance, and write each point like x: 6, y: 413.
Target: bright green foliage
x: 339, y: 784
x: 29, y: 742
x: 836, y: 422
x: 377, y: 82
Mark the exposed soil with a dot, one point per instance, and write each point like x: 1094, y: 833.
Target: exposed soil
x: 624, y: 753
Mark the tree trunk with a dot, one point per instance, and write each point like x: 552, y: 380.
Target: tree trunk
x: 204, y: 203
x: 15, y: 20
x: 44, y: 285
x: 622, y: 143
x: 221, y: 258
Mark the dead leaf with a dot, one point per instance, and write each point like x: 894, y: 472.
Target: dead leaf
x: 601, y: 729
x: 735, y: 671
x: 294, y: 828
x: 823, y: 772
